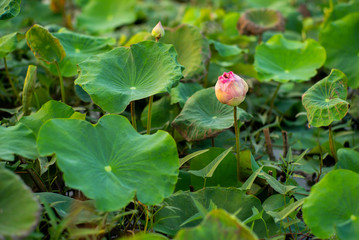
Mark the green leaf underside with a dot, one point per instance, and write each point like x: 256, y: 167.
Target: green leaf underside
x: 180, y: 207
x: 106, y: 15
x: 110, y: 162
x: 9, y: 9
x: 9, y: 42
x: 203, y: 116
x: 183, y: 91
x: 192, y: 49
x: 44, y: 45
x: 331, y: 205
x: 225, y: 50
x: 340, y: 39
x: 19, y: 210
x: 218, y: 224
x: 51, y: 109
x: 116, y: 78
x: 78, y: 47
x: 285, y: 60
x: 18, y: 140
x: 325, y: 100
x: 348, y: 159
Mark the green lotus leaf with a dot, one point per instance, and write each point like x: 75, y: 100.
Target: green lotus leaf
x: 78, y: 47
x: 218, y: 224
x: 192, y: 49
x: 183, y: 91
x: 203, y: 116
x: 225, y: 50
x: 9, y: 9
x: 9, y: 42
x: 19, y: 140
x: 110, y: 162
x: 106, y: 15
x: 340, y: 10
x: 339, y: 38
x: 285, y: 60
x: 330, y: 205
x: 19, y: 210
x: 145, y: 236
x: 116, y: 78
x: 51, y: 109
x: 44, y: 45
x: 325, y: 100
x: 348, y: 159
x: 180, y: 207
x: 259, y: 20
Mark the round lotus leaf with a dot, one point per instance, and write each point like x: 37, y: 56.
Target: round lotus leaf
x: 203, y: 116
x: 340, y: 39
x: 110, y: 162
x: 325, y: 100
x: 19, y: 210
x: 257, y: 21
x: 218, y: 224
x: 348, y: 159
x: 106, y: 15
x: 285, y: 60
x: 78, y: 47
x: 192, y: 49
x: 116, y: 78
x: 340, y: 10
x: 44, y: 45
x: 333, y: 203
x: 9, y: 42
x: 19, y: 140
x: 9, y: 9
x: 51, y: 109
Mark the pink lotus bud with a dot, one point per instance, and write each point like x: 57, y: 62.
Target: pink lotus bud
x: 158, y: 31
x: 231, y: 89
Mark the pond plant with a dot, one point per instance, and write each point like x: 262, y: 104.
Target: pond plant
x: 144, y: 119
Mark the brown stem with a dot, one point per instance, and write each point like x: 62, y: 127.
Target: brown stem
x: 269, y: 147
x: 133, y: 114
x: 272, y: 102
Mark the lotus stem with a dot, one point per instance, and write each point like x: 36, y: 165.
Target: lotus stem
x: 63, y: 97
x: 133, y: 115
x: 10, y: 80
x: 150, y: 100
x: 272, y: 101
x: 236, y: 131
x: 331, y: 144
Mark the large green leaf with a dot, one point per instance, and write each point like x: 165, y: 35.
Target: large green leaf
x: 325, y: 100
x: 110, y: 162
x: 348, y: 159
x: 18, y: 140
x: 19, y: 210
x: 180, y: 207
x: 333, y: 204
x: 192, y: 48
x: 218, y: 224
x: 203, y: 116
x: 285, y: 60
x: 106, y: 15
x: 51, y: 109
x: 340, y: 39
x: 9, y: 42
x: 116, y: 78
x: 9, y: 9
x: 44, y: 45
x: 78, y: 47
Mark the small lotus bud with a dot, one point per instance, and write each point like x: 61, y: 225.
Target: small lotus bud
x: 158, y: 31
x: 231, y: 89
